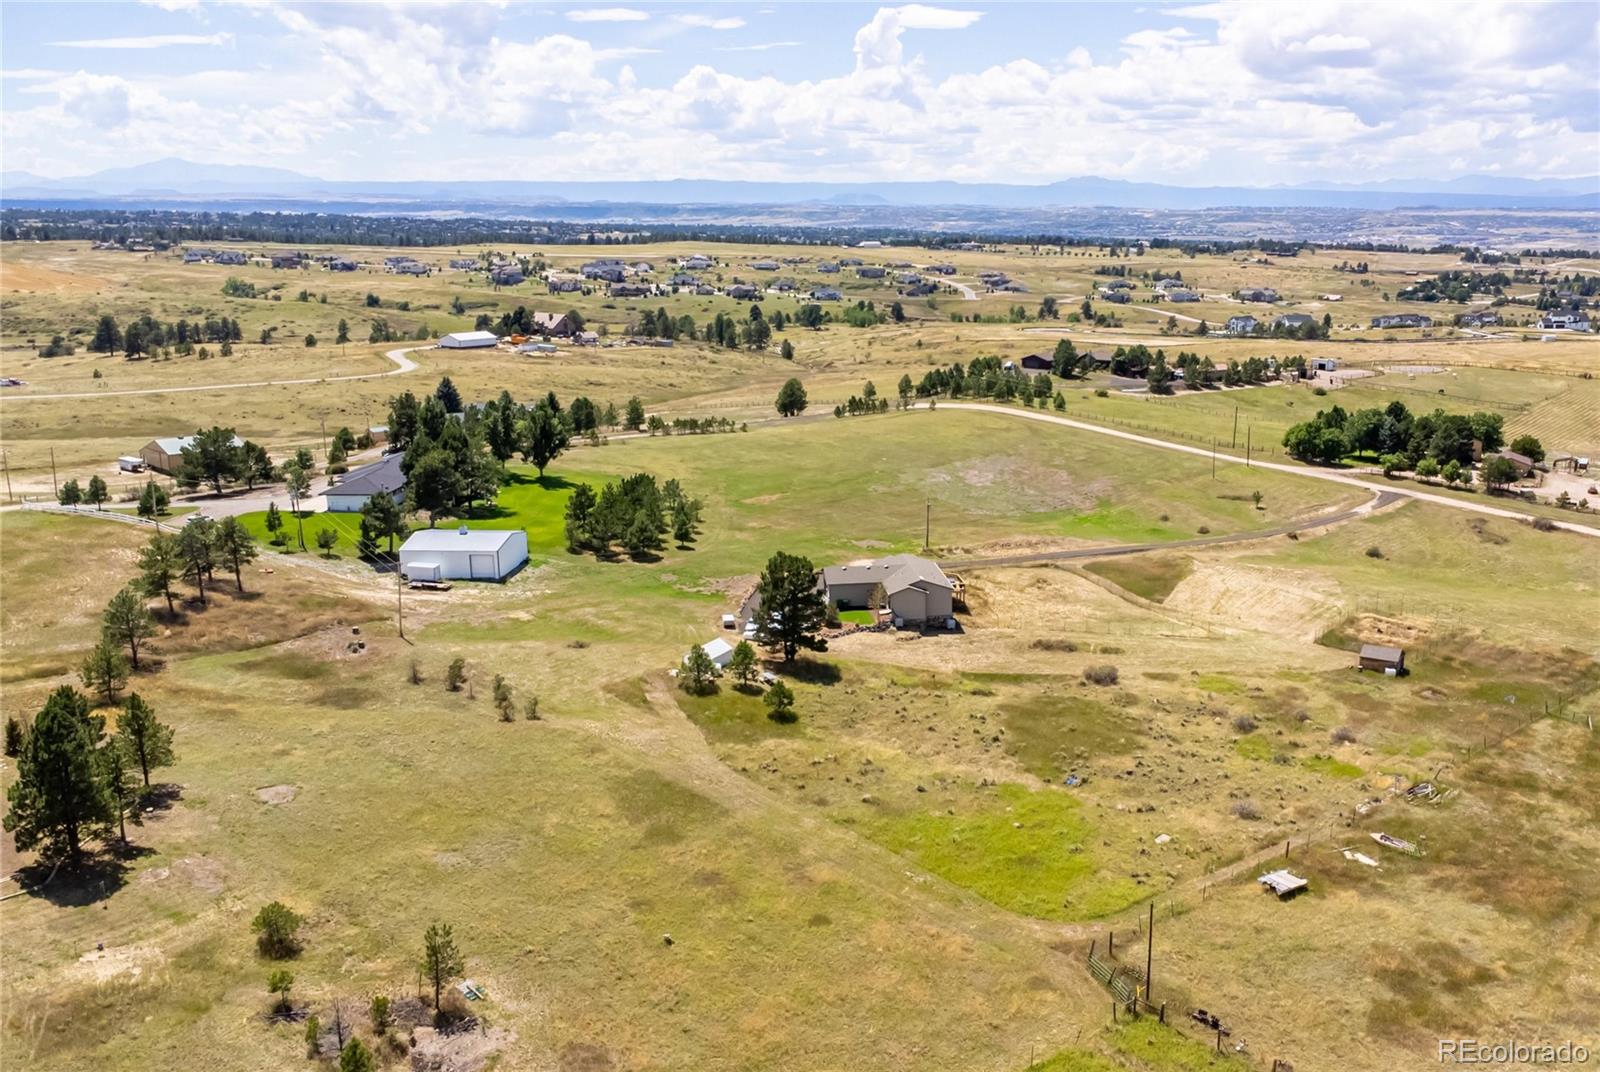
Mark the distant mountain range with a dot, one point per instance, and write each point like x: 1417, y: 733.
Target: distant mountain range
x: 171, y: 182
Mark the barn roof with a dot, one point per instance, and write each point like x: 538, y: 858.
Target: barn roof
x: 481, y: 540
x: 1382, y: 653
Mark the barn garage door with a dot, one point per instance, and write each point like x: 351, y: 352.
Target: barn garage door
x: 482, y: 567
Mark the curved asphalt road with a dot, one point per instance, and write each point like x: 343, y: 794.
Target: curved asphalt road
x: 402, y: 364
x: 1281, y: 467
x: 1377, y: 502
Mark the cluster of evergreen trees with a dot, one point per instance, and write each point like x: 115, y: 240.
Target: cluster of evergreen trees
x: 633, y: 512
x: 74, y: 783
x: 867, y: 402
x: 984, y: 377
x: 1198, y: 371
x: 147, y: 335
x: 1455, y: 286
x: 1394, y: 431
x: 215, y: 458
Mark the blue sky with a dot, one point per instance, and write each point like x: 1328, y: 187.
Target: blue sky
x: 1237, y: 93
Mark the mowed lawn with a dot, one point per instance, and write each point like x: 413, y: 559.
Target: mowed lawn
x: 526, y: 501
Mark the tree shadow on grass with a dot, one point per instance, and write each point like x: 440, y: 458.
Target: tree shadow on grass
x: 97, y: 877
x: 811, y: 671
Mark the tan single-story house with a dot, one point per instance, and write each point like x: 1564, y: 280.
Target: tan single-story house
x: 915, y: 588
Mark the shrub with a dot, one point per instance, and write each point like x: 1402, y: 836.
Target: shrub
x: 380, y: 1014
x: 1544, y: 524
x: 276, y: 926
x: 1246, y: 810
x: 1343, y: 735
x: 1374, y: 551
x: 1104, y: 674
x: 456, y: 675
x: 1244, y: 724
x: 1053, y: 644
x: 1204, y: 530
x: 1319, y: 391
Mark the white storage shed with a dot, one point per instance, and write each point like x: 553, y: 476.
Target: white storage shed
x: 469, y: 340
x: 719, y: 651
x: 463, y: 554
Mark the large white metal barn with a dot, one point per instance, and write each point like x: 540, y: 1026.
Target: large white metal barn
x: 463, y: 554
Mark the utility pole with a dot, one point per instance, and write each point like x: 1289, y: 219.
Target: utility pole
x: 53, y: 485
x: 1247, y: 445
x: 1149, y: 950
x: 1234, y: 442
x: 324, y: 422
x: 927, y: 522
x: 399, y: 610
x: 5, y: 464
x: 1213, y: 457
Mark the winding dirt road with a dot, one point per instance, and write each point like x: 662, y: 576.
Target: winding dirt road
x: 403, y: 364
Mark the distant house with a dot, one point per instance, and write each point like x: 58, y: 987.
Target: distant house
x: 463, y: 554
x: 699, y: 262
x: 1256, y: 294
x: 920, y: 290
x: 1293, y: 321
x: 412, y: 268
x: 563, y: 284
x: 907, y: 278
x: 469, y: 340
x: 682, y: 279
x: 608, y: 272
x: 1179, y: 294
x: 827, y: 267
x: 286, y: 260
x: 1013, y: 287
x: 396, y: 261
x: 558, y: 324
x: 782, y: 286
x: 916, y: 588
x: 1038, y: 362
x: 1523, y: 463
x: 1119, y: 284
x: 230, y: 256
x: 465, y: 264
x: 849, y: 262
x: 1578, y: 321
x: 1402, y: 320
x: 826, y: 294
x: 1120, y: 297
x: 194, y: 256
x: 765, y: 266
x: 1381, y: 658
x: 165, y: 454
x: 1480, y: 320
x: 630, y: 290
x: 1323, y: 364
x: 743, y: 292
x: 506, y: 276
x: 642, y: 267
x: 342, y: 264
x: 355, y: 488
x: 705, y: 288
x: 1242, y: 325
x: 869, y: 243
x: 871, y: 271
x: 942, y: 269
x: 586, y: 338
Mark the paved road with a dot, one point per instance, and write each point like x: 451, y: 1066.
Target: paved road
x: 967, y: 293
x: 1377, y: 502
x: 403, y: 364
x: 1328, y: 475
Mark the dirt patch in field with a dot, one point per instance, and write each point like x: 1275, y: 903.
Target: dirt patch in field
x: 276, y: 794
x: 103, y: 965
x: 1282, y: 602
x: 761, y: 500
x: 1002, y: 485
x: 203, y: 874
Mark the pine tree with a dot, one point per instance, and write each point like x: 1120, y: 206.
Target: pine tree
x: 160, y: 564
x: 441, y: 959
x: 127, y: 620
x: 147, y: 739
x: 236, y: 547
x: 104, y: 670
x: 122, y: 782
x: 59, y: 799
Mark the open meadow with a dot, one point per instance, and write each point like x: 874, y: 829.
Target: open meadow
x: 908, y: 875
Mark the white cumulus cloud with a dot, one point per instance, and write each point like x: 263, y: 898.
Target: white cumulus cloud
x: 607, y: 14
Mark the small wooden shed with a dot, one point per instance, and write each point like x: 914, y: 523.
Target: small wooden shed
x: 1382, y: 659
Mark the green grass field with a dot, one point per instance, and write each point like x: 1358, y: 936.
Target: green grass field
x: 901, y: 878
